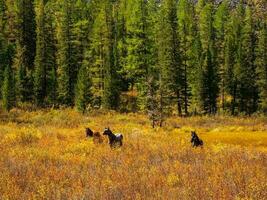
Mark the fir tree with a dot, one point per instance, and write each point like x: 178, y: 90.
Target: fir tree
x: 139, y: 48
x: 209, y: 77
x: 111, y: 88
x: 25, y: 47
x: 7, y: 89
x: 187, y: 37
x: 169, y: 59
x: 248, y: 91
x: 220, y: 24
x: 40, y: 65
x: 261, y: 63
x: 83, y: 89
x: 66, y: 54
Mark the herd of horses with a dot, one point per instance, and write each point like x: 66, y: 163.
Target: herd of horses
x: 115, y: 140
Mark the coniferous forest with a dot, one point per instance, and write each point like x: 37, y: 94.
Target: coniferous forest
x: 160, y: 57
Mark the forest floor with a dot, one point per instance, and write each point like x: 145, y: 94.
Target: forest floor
x: 45, y: 155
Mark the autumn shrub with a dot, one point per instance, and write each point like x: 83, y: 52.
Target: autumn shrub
x: 49, y: 157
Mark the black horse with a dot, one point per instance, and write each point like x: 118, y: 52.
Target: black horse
x: 195, y: 140
x: 114, y: 139
x: 89, y: 132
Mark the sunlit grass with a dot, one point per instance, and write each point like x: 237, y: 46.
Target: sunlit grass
x: 45, y: 155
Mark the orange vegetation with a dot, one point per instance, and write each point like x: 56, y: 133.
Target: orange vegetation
x: 45, y: 155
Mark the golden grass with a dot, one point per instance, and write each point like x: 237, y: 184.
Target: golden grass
x: 45, y: 155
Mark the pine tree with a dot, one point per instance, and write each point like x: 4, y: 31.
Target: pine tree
x: 25, y: 47
x: 51, y: 65
x: 232, y: 57
x: 40, y: 65
x: 2, y: 60
x: 83, y: 89
x: 111, y: 88
x: 248, y: 91
x: 187, y: 38
x: 220, y: 23
x: 65, y: 54
x: 52, y: 87
x: 7, y: 89
x: 230, y: 64
x: 169, y: 59
x: 139, y: 48
x: 261, y: 63
x: 209, y: 77
x: 98, y: 54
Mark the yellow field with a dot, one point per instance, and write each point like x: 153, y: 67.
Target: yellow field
x: 45, y: 155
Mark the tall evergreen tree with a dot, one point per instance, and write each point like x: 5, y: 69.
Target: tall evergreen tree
x: 209, y: 77
x: 7, y: 88
x: 139, y: 46
x: 169, y: 58
x: 65, y: 53
x: 187, y: 38
x: 111, y: 89
x: 220, y: 24
x: 83, y: 89
x: 44, y: 83
x: 248, y: 91
x: 40, y: 66
x: 261, y: 63
x: 25, y: 47
x: 230, y: 65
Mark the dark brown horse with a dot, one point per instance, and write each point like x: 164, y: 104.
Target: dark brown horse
x: 195, y: 140
x: 89, y: 132
x: 97, y: 137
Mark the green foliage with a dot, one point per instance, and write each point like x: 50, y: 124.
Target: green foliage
x: 44, y: 75
x: 167, y: 56
x: 83, y: 89
x: 261, y: 63
x: 25, y: 47
x: 209, y: 72
x: 8, y: 89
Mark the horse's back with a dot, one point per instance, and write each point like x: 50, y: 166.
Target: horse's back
x: 119, y: 136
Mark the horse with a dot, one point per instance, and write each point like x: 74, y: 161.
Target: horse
x: 89, y: 132
x: 195, y: 140
x: 114, y: 139
x: 97, y: 137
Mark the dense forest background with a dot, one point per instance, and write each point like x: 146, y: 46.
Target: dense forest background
x: 157, y: 56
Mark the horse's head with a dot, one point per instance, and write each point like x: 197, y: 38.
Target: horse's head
x: 193, y: 134
x: 107, y: 131
x: 89, y: 132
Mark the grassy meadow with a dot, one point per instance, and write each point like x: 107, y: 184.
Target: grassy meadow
x: 45, y: 155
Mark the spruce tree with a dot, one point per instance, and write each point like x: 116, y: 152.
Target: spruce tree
x: 248, y: 90
x: 230, y: 64
x: 65, y: 54
x: 187, y: 40
x: 25, y: 47
x: 111, y: 88
x: 7, y: 89
x: 220, y: 24
x: 40, y: 65
x: 83, y: 89
x: 261, y: 63
x: 169, y: 58
x: 209, y: 78
x: 139, y: 48
x: 96, y: 55
x: 233, y: 55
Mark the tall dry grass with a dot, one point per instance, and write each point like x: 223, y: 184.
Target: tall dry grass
x: 45, y: 155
